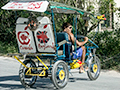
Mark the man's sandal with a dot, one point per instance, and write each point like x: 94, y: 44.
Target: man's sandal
x: 85, y: 70
x: 81, y: 71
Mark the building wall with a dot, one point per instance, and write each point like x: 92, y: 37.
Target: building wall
x: 113, y: 18
x: 116, y: 17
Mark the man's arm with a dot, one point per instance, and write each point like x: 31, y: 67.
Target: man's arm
x: 82, y: 43
x: 77, y: 42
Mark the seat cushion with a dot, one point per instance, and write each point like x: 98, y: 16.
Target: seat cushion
x: 60, y: 52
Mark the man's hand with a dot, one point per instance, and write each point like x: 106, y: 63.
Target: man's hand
x: 86, y: 39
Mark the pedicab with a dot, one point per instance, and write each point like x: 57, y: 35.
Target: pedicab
x: 37, y: 39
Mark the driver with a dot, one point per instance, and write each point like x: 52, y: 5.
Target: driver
x: 81, y: 51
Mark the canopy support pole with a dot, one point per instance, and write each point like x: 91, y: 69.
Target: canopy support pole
x: 76, y: 34
x: 15, y: 15
x: 56, y: 45
x: 76, y: 26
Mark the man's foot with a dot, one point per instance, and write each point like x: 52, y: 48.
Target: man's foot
x: 86, y: 69
x: 81, y: 70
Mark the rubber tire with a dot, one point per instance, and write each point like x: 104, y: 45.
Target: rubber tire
x: 89, y: 72
x: 54, y: 75
x: 22, y: 71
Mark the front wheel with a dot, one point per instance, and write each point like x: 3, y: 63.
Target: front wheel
x: 94, y: 68
x: 60, y: 74
x: 27, y: 80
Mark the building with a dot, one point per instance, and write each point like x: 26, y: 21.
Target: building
x: 112, y: 13
x: 117, y: 14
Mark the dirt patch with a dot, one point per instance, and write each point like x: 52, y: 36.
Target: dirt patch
x: 111, y: 72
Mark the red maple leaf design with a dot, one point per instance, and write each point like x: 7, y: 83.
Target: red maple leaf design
x: 42, y: 37
x: 23, y: 37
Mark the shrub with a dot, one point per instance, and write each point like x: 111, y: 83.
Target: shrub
x: 109, y: 48
x: 7, y: 48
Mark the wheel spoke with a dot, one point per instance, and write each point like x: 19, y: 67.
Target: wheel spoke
x: 94, y: 71
x: 60, y: 74
x: 27, y: 80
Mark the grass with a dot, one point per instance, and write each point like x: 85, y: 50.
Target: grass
x: 7, y: 48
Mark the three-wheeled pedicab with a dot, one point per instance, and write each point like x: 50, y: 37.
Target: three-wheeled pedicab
x: 37, y: 38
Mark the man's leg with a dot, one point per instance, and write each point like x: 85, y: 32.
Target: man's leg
x: 83, y: 58
x: 83, y: 53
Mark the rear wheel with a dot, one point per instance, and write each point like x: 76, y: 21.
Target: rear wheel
x: 27, y: 80
x: 94, y: 69
x: 60, y: 74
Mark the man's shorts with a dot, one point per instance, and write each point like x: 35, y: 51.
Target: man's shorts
x: 78, y: 53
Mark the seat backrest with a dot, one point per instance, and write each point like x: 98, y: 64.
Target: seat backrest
x: 39, y: 40
x: 68, y: 46
x: 62, y: 36
x: 25, y: 38
x: 44, y: 36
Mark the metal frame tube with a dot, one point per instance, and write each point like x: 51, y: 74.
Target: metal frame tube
x: 54, y: 31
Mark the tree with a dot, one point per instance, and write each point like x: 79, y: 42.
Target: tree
x: 107, y: 8
x: 83, y: 27
x: 7, y: 25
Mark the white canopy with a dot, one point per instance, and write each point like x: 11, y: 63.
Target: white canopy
x: 37, y: 6
x: 42, y: 6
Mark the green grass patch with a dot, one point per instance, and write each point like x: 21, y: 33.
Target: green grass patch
x: 6, y: 48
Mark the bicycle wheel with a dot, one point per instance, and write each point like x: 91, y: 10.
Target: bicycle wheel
x: 60, y: 74
x: 27, y: 80
x: 94, y: 69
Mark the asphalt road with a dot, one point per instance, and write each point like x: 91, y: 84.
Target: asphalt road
x: 9, y: 79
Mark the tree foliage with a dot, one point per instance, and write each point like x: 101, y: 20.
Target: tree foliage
x: 7, y: 25
x: 109, y: 48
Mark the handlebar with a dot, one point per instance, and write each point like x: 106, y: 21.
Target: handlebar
x: 93, y: 43
x: 81, y: 36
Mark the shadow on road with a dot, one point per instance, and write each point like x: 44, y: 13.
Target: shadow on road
x: 43, y: 83
x: 7, y: 82
x: 11, y: 78
x: 76, y: 79
x: 13, y: 82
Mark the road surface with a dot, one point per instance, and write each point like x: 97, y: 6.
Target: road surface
x: 9, y: 79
